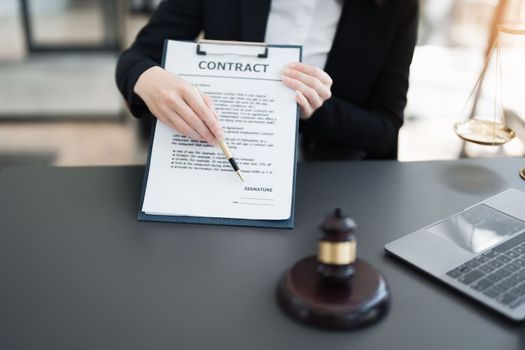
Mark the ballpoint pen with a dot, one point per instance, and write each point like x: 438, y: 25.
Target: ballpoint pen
x: 228, y: 154
x: 224, y: 147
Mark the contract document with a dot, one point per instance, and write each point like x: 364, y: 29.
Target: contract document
x: 191, y: 181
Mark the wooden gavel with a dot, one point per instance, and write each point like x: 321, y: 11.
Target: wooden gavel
x: 334, y: 289
x: 337, y: 248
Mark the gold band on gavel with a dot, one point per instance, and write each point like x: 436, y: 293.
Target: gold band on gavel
x: 337, y: 253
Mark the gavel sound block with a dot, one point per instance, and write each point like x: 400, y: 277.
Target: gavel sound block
x: 334, y: 289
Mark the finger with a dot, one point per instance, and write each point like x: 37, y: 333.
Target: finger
x: 305, y: 106
x: 162, y: 118
x: 322, y: 90
x: 312, y: 70
x: 194, y: 99
x: 165, y: 121
x: 210, y: 104
x: 178, y: 123
x: 194, y: 121
x: 314, y: 99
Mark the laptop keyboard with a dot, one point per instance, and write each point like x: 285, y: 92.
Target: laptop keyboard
x: 498, y: 273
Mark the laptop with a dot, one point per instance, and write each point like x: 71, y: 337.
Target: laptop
x: 479, y: 251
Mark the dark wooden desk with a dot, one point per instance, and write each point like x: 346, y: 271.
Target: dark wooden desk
x: 78, y: 271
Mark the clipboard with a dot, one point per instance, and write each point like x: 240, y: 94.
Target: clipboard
x: 288, y: 223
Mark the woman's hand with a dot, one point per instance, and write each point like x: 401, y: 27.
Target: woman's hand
x: 311, y: 84
x: 178, y: 104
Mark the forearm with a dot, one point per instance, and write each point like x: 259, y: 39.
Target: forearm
x: 173, y: 19
x: 130, y: 66
x: 339, y: 122
x: 373, y: 125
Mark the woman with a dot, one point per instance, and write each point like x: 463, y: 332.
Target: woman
x: 351, y: 87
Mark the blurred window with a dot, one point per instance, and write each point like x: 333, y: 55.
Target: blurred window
x: 70, y: 24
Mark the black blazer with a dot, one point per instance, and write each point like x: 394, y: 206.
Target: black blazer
x: 368, y: 62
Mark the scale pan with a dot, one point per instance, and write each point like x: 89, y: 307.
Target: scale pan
x: 484, y: 132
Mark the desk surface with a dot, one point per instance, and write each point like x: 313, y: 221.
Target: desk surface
x: 78, y: 271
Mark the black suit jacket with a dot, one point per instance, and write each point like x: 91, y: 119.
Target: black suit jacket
x: 368, y: 62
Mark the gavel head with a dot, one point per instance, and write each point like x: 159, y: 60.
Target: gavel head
x: 337, y: 248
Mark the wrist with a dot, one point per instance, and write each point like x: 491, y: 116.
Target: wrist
x: 144, y: 80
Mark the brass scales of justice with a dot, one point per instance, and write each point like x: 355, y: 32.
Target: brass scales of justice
x: 486, y: 125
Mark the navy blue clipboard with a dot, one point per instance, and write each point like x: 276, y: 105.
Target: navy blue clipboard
x: 288, y: 223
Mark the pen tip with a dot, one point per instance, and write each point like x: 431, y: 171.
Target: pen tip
x: 239, y: 173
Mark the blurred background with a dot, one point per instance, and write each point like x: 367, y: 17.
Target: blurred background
x: 59, y: 104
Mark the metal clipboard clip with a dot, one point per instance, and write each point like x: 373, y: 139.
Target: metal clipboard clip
x: 263, y: 54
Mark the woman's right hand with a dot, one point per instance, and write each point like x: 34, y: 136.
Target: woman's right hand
x: 175, y: 102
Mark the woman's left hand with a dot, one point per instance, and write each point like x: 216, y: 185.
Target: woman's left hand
x: 311, y: 84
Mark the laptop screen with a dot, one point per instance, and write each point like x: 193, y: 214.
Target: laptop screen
x: 477, y: 228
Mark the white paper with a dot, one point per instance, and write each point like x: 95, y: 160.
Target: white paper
x: 259, y: 117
